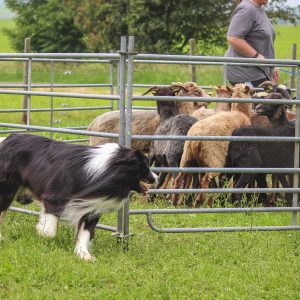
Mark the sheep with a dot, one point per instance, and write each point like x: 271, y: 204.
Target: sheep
x: 144, y: 122
x: 164, y: 153
x: 213, y: 153
x: 260, y: 154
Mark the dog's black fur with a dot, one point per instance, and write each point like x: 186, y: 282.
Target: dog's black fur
x: 65, y: 177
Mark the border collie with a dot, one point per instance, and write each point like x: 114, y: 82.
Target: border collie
x: 72, y: 182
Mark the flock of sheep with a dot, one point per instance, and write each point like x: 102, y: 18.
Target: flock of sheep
x: 196, y: 119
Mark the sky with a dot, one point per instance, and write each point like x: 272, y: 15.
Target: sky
x: 293, y: 2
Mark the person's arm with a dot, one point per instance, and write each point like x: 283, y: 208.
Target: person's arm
x: 242, y: 47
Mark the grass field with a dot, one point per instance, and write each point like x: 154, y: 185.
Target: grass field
x: 249, y: 265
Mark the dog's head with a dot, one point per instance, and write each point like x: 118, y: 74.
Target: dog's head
x: 139, y: 173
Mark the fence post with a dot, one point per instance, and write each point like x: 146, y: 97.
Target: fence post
x: 293, y: 69
x: 297, y: 145
x: 193, y: 67
x: 121, y: 105
x: 25, y: 80
x: 111, y: 79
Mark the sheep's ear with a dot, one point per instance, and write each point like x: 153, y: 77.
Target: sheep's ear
x: 247, y: 89
x: 229, y: 89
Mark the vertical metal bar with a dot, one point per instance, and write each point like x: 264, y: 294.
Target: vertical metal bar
x: 51, y: 98
x: 297, y: 152
x: 29, y: 89
x: 224, y: 74
x: 25, y: 80
x: 121, y: 89
x: 293, y: 69
x: 111, y: 80
x: 193, y: 67
x: 128, y: 122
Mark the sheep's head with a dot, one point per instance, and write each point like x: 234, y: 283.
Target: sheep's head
x: 160, y: 91
x: 223, y: 91
x: 190, y: 89
x: 242, y: 90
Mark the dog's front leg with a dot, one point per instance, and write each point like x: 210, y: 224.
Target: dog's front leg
x: 86, y: 229
x: 47, y: 225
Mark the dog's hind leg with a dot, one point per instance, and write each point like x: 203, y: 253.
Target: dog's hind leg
x: 86, y: 229
x: 47, y: 225
x: 7, y: 193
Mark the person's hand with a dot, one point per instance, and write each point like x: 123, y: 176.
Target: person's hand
x: 275, y: 75
x: 260, y: 56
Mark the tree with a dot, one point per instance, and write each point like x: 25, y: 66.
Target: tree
x: 49, y: 24
x: 160, y: 26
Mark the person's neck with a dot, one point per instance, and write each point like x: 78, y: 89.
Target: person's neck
x: 254, y: 2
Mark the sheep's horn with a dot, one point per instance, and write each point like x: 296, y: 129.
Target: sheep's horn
x: 266, y: 85
x: 284, y: 93
x: 152, y: 89
x: 179, y: 87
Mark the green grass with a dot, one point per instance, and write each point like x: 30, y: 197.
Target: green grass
x: 4, y: 42
x: 249, y: 265
x: 262, y: 265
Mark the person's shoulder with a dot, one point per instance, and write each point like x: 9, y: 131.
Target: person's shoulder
x: 245, y: 7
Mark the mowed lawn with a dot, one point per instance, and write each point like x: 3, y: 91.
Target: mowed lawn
x: 248, y: 265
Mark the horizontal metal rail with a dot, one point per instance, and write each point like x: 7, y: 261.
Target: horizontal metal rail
x: 248, y: 210
x: 215, y: 59
x: 218, y: 138
x: 224, y: 190
x: 66, y: 95
x: 36, y: 213
x: 217, y: 99
x: 54, y: 85
x: 55, y: 109
x: 227, y: 170
x: 29, y: 55
x: 62, y: 130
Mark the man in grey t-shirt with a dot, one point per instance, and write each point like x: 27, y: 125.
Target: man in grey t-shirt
x: 250, y: 34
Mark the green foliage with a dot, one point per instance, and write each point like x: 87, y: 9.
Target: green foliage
x: 49, y: 24
x: 96, y: 25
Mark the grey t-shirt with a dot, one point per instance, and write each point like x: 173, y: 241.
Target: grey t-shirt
x: 250, y: 23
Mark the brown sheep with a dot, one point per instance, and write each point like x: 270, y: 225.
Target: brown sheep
x: 145, y: 122
x: 213, y: 153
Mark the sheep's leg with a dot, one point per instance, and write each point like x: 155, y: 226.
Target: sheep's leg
x: 166, y: 182
x: 160, y: 181
x: 286, y: 184
x: 243, y: 181
x: 176, y: 185
x: 275, y: 184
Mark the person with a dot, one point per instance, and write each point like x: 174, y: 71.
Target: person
x: 250, y: 34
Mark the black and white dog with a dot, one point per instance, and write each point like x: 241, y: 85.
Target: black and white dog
x: 72, y: 182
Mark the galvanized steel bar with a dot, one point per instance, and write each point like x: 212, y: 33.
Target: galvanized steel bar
x: 55, y: 109
x: 297, y: 150
x: 36, y: 213
x: 215, y: 99
x: 226, y: 170
x: 55, y: 85
x: 218, y: 138
x: 66, y: 95
x: 60, y: 55
x: 121, y: 90
x: 224, y: 190
x: 130, y: 70
x: 223, y: 59
x: 62, y: 130
x: 168, y: 211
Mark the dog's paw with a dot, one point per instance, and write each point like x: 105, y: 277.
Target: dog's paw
x: 84, y: 254
x: 41, y: 230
